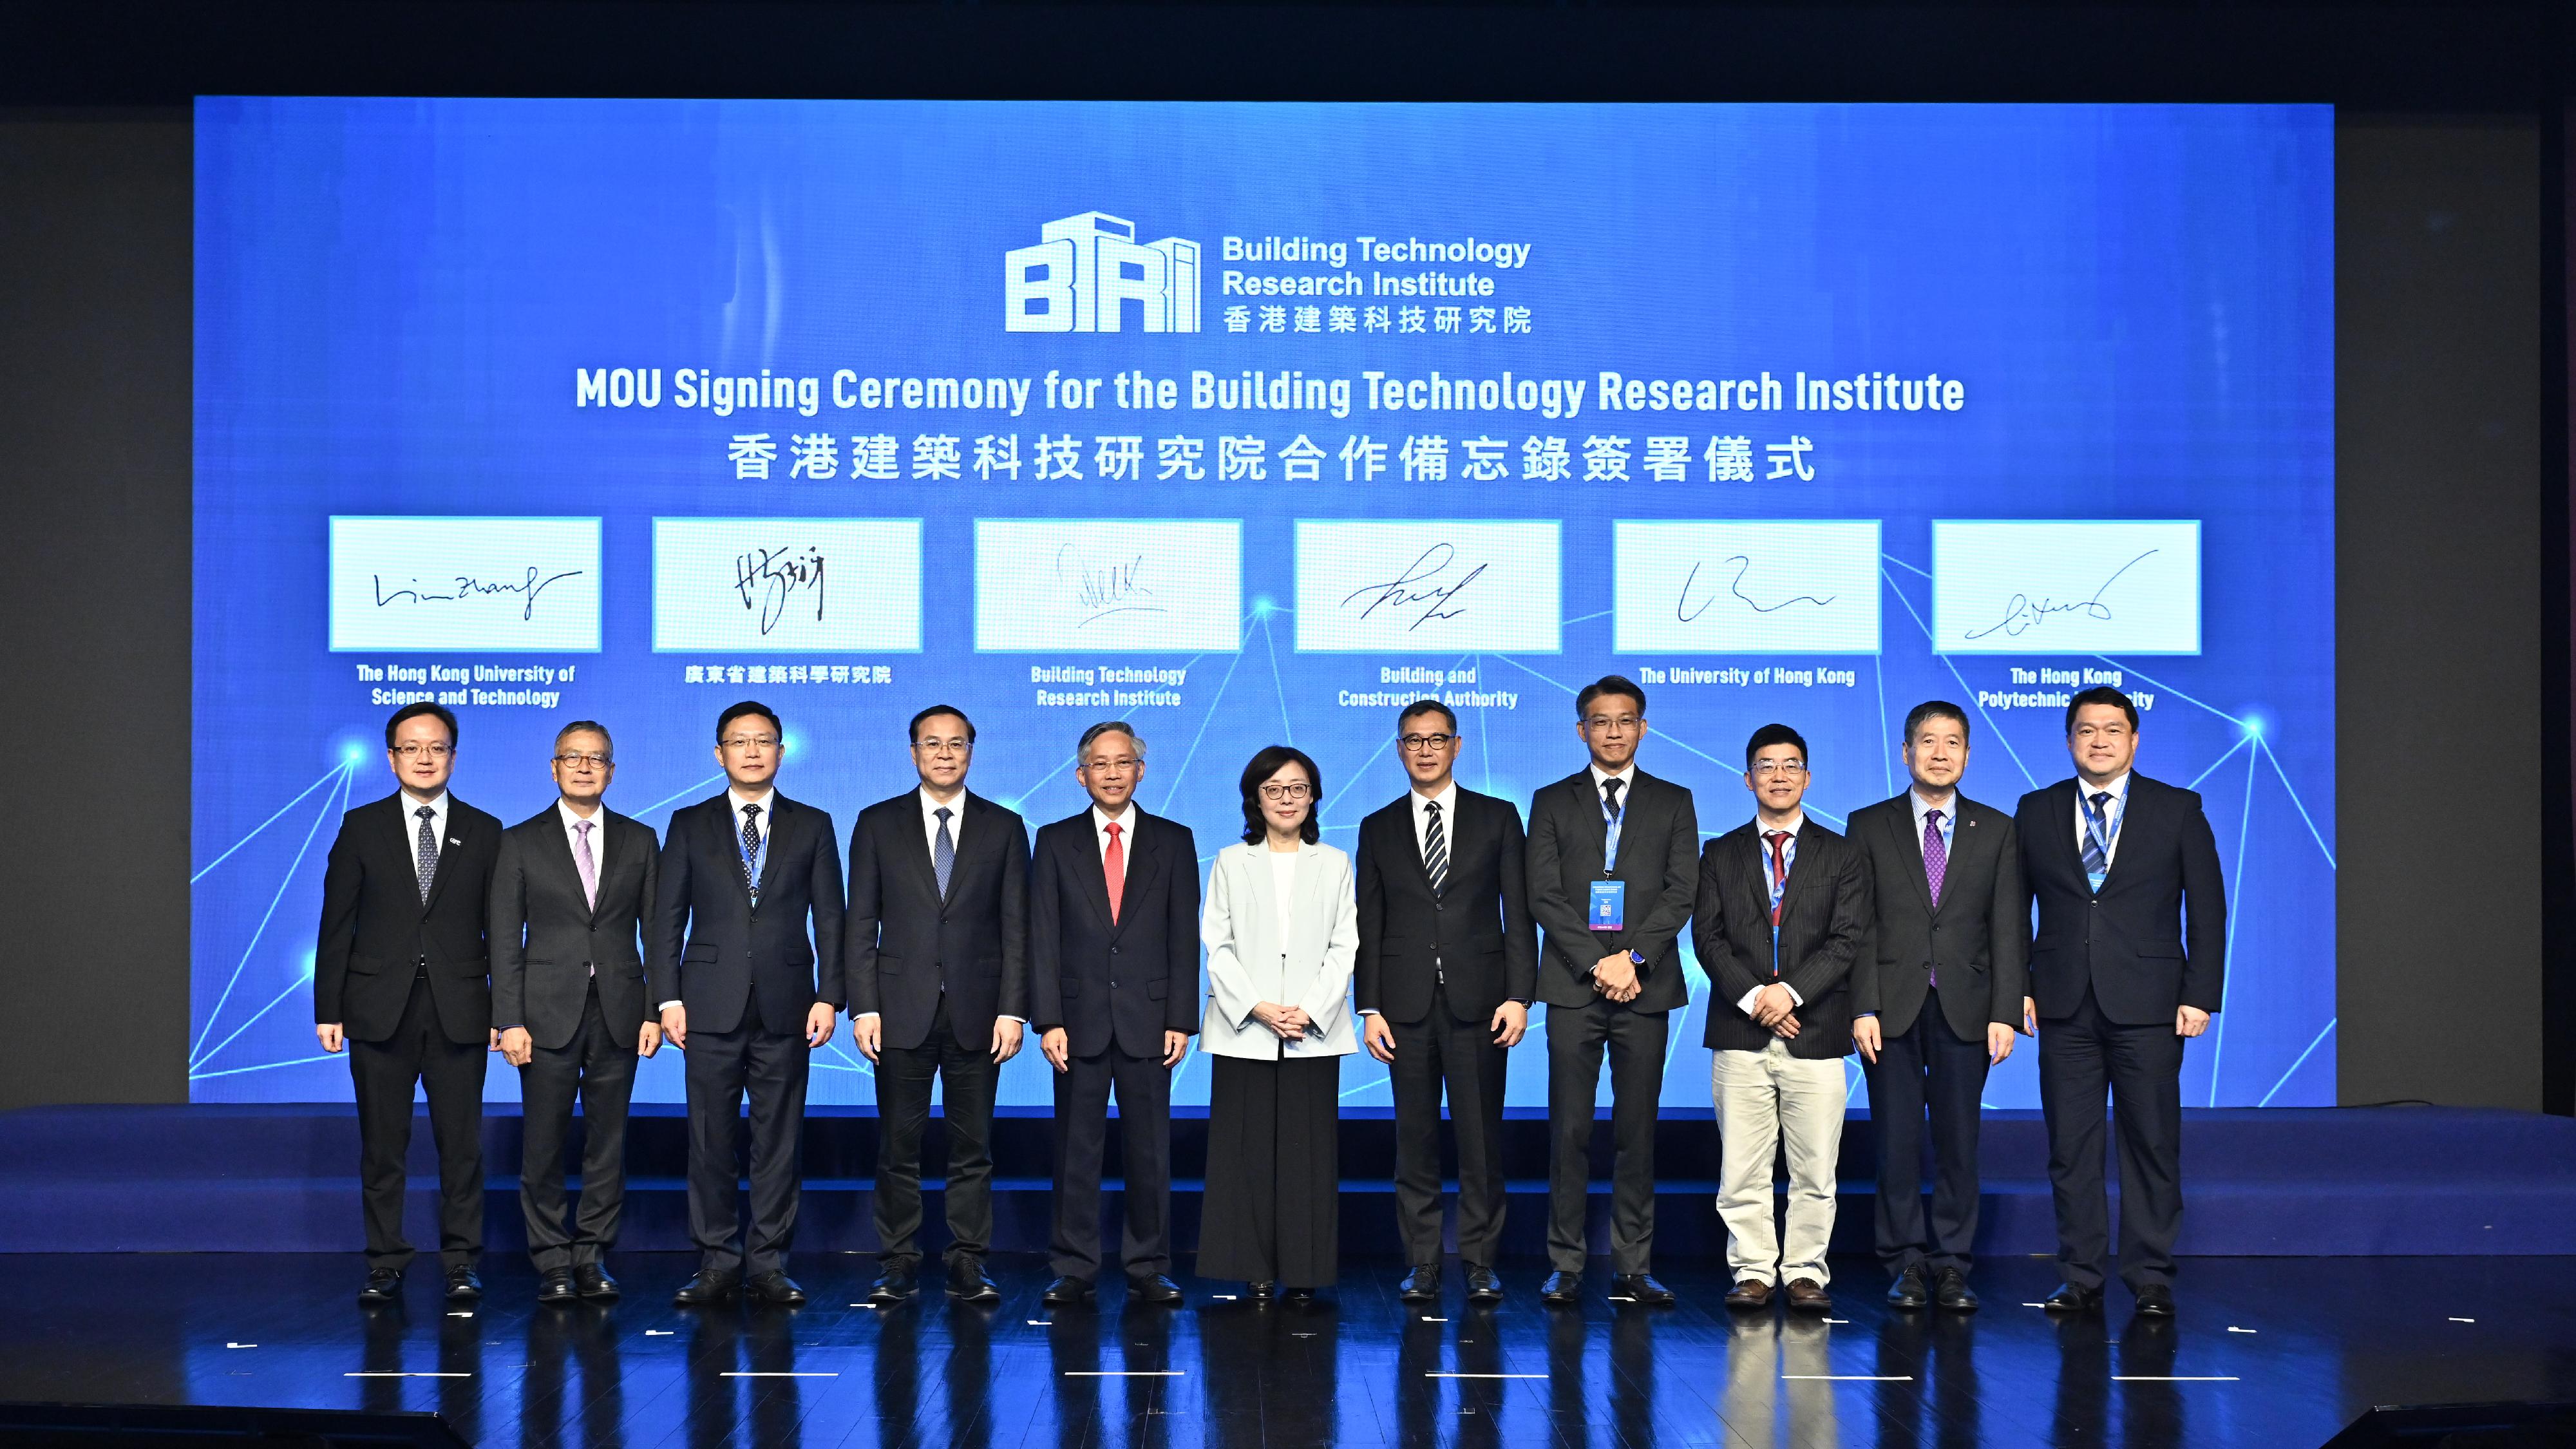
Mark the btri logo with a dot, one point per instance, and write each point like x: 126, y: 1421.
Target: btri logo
x: 1091, y: 275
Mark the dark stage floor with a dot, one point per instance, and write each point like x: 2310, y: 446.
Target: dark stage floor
x: 2272, y: 1352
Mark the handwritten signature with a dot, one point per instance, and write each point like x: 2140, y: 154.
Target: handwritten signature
x: 1420, y: 583
x: 768, y: 578
x: 1103, y: 590
x: 474, y: 588
x: 1683, y: 611
x: 2024, y: 612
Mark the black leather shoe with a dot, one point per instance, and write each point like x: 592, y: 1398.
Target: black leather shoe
x: 462, y: 1285
x: 1951, y: 1291
x: 1261, y: 1290
x: 2156, y: 1301
x: 1641, y: 1287
x: 704, y: 1287
x: 893, y: 1285
x: 775, y: 1287
x: 383, y: 1285
x: 1484, y: 1285
x: 1909, y: 1290
x: 969, y: 1283
x: 556, y: 1287
x: 1561, y: 1287
x: 1155, y: 1288
x: 1065, y: 1291
x: 2070, y: 1299
x: 592, y: 1281
x: 1421, y: 1283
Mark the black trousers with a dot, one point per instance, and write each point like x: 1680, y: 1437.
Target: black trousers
x: 2081, y: 1057
x: 1437, y: 1051
x: 450, y: 1074
x: 1272, y: 1210
x: 723, y: 1068
x: 1576, y: 1039
x: 968, y: 1078
x: 1927, y: 1066
x: 597, y: 1067
x: 1144, y: 1088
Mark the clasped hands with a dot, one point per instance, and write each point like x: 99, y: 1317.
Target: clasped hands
x: 1614, y: 977
x: 1288, y: 1023
x: 1775, y: 1008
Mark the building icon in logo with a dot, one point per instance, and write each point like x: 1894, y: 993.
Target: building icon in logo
x: 1090, y: 274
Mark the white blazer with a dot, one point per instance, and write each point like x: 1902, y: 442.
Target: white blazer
x: 1248, y: 964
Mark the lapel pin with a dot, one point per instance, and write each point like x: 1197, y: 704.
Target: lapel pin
x: 452, y: 840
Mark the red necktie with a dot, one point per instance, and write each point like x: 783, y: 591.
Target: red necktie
x: 1113, y: 865
x: 1779, y: 869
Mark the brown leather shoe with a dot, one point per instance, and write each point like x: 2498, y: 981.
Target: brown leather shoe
x: 1751, y: 1293
x: 1806, y: 1295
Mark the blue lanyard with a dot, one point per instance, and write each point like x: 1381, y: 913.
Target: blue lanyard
x: 1610, y: 835
x: 751, y: 859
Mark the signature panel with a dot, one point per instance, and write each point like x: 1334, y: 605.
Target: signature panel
x: 1746, y: 586
x: 1154, y: 584
x: 424, y: 584
x: 1427, y: 583
x: 2047, y: 587
x: 774, y: 585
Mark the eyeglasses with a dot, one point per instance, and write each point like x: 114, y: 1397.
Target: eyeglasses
x: 1296, y: 790
x: 576, y: 758
x: 750, y: 742
x: 410, y: 752
x: 1425, y: 742
x: 1613, y: 721
x: 1119, y: 766
x: 1765, y: 769
x: 954, y: 744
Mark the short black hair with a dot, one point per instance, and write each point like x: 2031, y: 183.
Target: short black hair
x: 1263, y: 766
x: 912, y: 731
x: 589, y: 727
x: 1934, y: 709
x: 1608, y: 684
x: 1426, y: 706
x: 415, y: 710
x: 2101, y: 694
x: 749, y: 706
x: 1769, y: 735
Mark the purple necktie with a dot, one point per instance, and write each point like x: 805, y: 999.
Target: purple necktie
x: 1936, y: 864
x: 585, y: 863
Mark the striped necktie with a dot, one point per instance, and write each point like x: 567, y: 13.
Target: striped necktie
x: 1435, y: 849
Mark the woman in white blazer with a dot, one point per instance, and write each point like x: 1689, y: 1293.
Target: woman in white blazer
x: 1282, y: 931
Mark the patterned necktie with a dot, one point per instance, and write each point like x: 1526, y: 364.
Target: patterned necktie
x: 1435, y: 849
x: 751, y: 850
x: 428, y: 852
x: 1113, y: 865
x: 1936, y: 865
x: 1779, y: 840
x: 943, y: 854
x: 586, y: 863
x: 2097, y: 837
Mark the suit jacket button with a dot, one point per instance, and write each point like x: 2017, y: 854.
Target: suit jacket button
x: 1113, y: 950
x: 1113, y: 985
x: 1439, y: 905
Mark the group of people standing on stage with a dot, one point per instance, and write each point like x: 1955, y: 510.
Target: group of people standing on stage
x: 575, y: 943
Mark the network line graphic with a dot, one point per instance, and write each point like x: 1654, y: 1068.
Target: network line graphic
x: 253, y: 955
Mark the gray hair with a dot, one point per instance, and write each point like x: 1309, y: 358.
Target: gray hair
x: 1082, y: 749
x: 586, y: 727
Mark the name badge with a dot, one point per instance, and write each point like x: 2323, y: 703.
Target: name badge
x: 1609, y: 905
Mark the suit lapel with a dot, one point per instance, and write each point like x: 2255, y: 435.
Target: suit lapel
x: 1901, y: 825
x: 1811, y: 851
x: 1589, y: 842
x: 1144, y: 847
x: 558, y: 850
x: 458, y: 830
x: 780, y: 809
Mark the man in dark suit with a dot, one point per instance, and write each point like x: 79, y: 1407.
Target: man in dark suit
x: 402, y: 977
x: 749, y: 995
x: 570, y: 894
x: 1936, y: 998
x: 1114, y: 992
x: 2128, y: 963
x: 1783, y: 906
x: 1447, y: 965
x: 939, y: 988
x: 1613, y: 866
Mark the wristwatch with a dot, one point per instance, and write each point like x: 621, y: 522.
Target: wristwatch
x: 1636, y: 958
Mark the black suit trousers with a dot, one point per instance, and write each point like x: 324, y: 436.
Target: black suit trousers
x: 1144, y: 1088
x: 2080, y: 1056
x: 1927, y: 1066
x: 597, y: 1067
x: 1440, y: 1049
x: 722, y: 1069
x: 968, y: 1079
x: 451, y: 1076
x: 1576, y: 1038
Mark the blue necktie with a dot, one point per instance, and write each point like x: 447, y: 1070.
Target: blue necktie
x: 751, y: 851
x: 943, y: 855
x: 2097, y: 838
x: 428, y: 852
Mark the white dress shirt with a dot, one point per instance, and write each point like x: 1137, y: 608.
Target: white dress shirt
x: 573, y: 820
x: 1744, y: 1003
x: 1627, y: 779
x: 1949, y: 819
x: 411, y: 823
x: 931, y: 805
x: 2113, y: 811
x: 1101, y: 820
